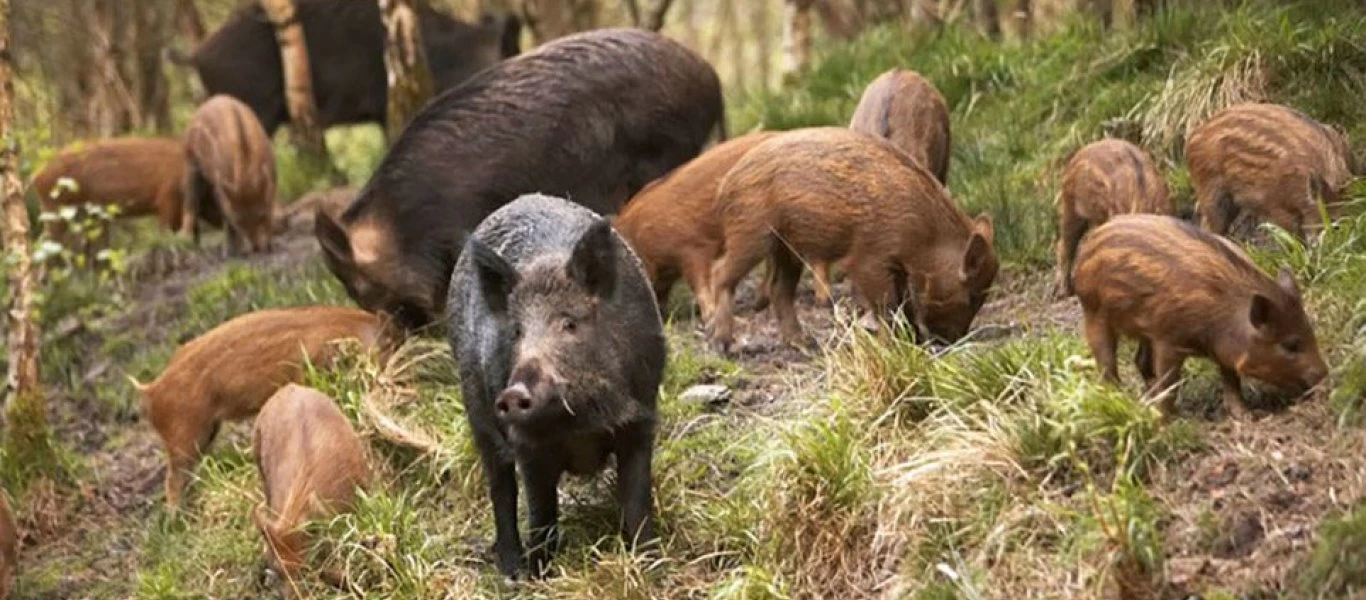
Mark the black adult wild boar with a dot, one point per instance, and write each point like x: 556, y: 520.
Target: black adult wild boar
x: 1184, y: 292
x: 1268, y: 160
x: 345, y: 40
x: 561, y: 353
x: 591, y: 117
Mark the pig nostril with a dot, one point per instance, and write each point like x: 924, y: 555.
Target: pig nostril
x: 524, y: 403
x: 502, y: 406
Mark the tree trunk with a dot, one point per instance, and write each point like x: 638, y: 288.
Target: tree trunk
x: 298, y: 84
x: 25, y: 416
x: 1020, y: 18
x: 405, y: 60
x: 763, y: 40
x: 189, y: 22
x: 150, y: 33
x: 110, y: 106
x: 988, y: 21
x: 654, y: 20
x: 796, y: 37
x: 924, y: 14
x: 551, y: 19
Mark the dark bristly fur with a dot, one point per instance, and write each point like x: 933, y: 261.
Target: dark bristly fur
x: 561, y: 354
x: 231, y: 166
x: 1183, y: 292
x: 830, y: 195
x: 592, y: 117
x: 345, y: 42
x: 909, y: 111
x: 1103, y: 179
x: 1271, y: 161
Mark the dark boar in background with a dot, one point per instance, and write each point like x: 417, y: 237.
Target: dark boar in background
x: 838, y: 196
x: 1183, y: 292
x: 1103, y: 179
x: 345, y: 40
x: 143, y: 176
x: 561, y: 353
x: 1268, y: 160
x: 672, y: 226
x: 230, y: 173
x: 906, y: 109
x: 311, y: 463
x: 591, y: 117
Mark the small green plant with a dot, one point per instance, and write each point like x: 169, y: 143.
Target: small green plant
x: 1337, y: 566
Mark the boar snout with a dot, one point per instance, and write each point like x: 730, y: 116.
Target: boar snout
x: 517, y: 404
x: 530, y: 392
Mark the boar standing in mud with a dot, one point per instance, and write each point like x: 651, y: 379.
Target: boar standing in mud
x: 311, y: 462
x: 558, y: 120
x: 906, y: 109
x: 229, y: 372
x: 1103, y: 179
x: 837, y: 196
x: 1184, y: 292
x: 230, y: 174
x: 1270, y: 161
x: 9, y: 548
x: 672, y: 226
x: 561, y: 353
x: 142, y: 176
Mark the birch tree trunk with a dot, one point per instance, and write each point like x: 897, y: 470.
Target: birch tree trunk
x: 405, y: 61
x: 298, y: 81
x: 24, y: 414
x: 796, y: 37
x: 149, y: 35
x: 189, y: 22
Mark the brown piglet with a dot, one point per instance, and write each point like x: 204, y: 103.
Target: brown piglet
x: 1183, y: 292
x: 1271, y: 161
x: 230, y: 372
x: 311, y: 462
x: 142, y: 176
x: 672, y: 226
x: 230, y: 174
x: 1103, y: 179
x: 906, y: 109
x: 9, y: 548
x: 838, y: 196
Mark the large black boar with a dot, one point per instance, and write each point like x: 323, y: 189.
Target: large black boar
x: 345, y: 40
x: 561, y: 353
x: 591, y: 117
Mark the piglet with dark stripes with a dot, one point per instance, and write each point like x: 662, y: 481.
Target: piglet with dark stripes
x: 230, y: 174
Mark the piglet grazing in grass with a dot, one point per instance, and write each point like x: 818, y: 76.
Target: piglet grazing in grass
x: 561, y: 353
x: 230, y: 372
x: 1184, y: 292
x: 311, y: 462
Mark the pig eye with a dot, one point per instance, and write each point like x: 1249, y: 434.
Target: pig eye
x: 1291, y: 345
x: 568, y: 324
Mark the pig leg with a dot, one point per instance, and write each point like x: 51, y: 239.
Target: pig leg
x: 697, y: 271
x: 785, y: 273
x: 634, y: 447
x: 876, y: 286
x: 1232, y: 393
x: 1072, y: 229
x: 1167, y: 362
x: 763, y: 295
x: 1143, y: 359
x: 820, y: 273
x: 184, y: 446
x: 502, y: 481
x: 541, y: 478
x: 740, y: 258
x: 1217, y: 210
x: 1101, y: 338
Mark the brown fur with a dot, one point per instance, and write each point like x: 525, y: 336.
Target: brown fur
x: 672, y: 226
x: 140, y: 175
x: 229, y: 372
x: 909, y: 111
x: 231, y: 163
x: 9, y: 548
x: 1268, y: 160
x: 1103, y: 179
x: 838, y: 196
x: 1183, y: 292
x: 311, y: 463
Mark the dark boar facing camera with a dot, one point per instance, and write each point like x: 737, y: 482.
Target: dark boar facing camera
x: 591, y: 117
x: 561, y: 352
x: 1184, y: 292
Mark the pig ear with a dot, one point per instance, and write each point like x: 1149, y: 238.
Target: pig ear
x: 593, y: 263
x: 1286, y: 281
x: 1260, y: 312
x: 496, y: 275
x: 979, y: 247
x: 332, y: 236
